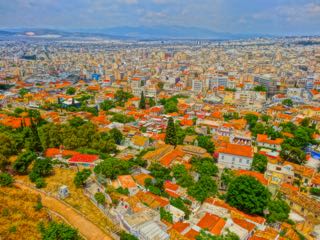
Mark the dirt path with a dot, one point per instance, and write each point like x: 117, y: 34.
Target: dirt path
x: 85, y: 227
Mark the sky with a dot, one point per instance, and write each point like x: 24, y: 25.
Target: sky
x: 279, y: 17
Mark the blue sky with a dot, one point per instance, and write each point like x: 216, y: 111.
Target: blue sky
x: 235, y: 16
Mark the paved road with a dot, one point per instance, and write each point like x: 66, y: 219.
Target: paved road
x: 89, y: 230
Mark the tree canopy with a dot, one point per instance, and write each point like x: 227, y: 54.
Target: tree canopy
x: 259, y: 163
x: 248, y: 195
x: 171, y: 137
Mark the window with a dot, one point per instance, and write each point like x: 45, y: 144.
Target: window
x: 222, y: 157
x: 248, y: 161
x: 240, y: 160
x: 233, y: 159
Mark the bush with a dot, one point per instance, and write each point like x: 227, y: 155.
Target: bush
x: 5, y: 179
x: 40, y: 183
x: 100, y: 198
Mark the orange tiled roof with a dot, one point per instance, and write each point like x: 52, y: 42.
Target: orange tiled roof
x: 127, y: 181
x: 51, y: 152
x: 168, y: 158
x: 180, y: 226
x: 213, y: 223
x: 192, y: 234
x: 256, y: 175
x: 265, y: 139
x: 239, y: 150
x: 244, y: 224
x: 140, y: 178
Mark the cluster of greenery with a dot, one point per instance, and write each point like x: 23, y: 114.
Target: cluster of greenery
x: 23, y: 162
x: 315, y: 191
x: 179, y: 203
x: 76, y: 134
x: 123, y: 191
x: 100, y: 198
x: 259, y: 163
x: 112, y: 167
x: 171, y: 104
x: 230, y: 89
x: 181, y: 175
x: 206, y: 143
x: 250, y: 196
x: 260, y: 88
x: 167, y: 216
x: 287, y: 102
x: 121, y: 97
x: 181, y: 133
x: 292, y: 149
x: 56, y: 230
x: 122, y: 118
x: 160, y: 174
x: 41, y: 168
x: 5, y: 179
x: 127, y: 236
x: 81, y: 177
x: 71, y: 91
x: 106, y: 105
x: 206, y: 236
x: 231, y: 116
x: 171, y: 136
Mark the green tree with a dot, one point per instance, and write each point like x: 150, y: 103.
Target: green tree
x: 265, y: 118
x: 178, y: 203
x: 117, y: 135
x: 287, y: 102
x: 227, y: 177
x: 40, y: 183
x: 7, y: 145
x: 167, y: 216
x: 171, y: 137
x: 121, y: 118
x: 23, y: 162
x: 160, y: 173
x: 260, y: 88
x: 248, y: 195
x: 259, y: 163
x: 76, y: 122
x: 71, y: 91
x: 4, y: 162
x: 81, y: 177
x: 100, y: 198
x: 142, y: 103
x: 127, y: 236
x: 171, y: 106
x: 206, y: 236
x: 106, y: 105
x: 278, y: 211
x: 204, y: 188
x: 206, y: 143
x: 5, y: 179
x: 204, y: 166
x: 182, y: 176
x: 122, y: 97
x: 23, y: 92
x: 58, y: 231
x: 152, y: 102
x: 112, y: 167
x: 42, y: 167
x: 292, y: 154
x: 251, y: 120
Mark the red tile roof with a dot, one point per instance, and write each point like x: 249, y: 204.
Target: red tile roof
x: 238, y: 150
x: 256, y: 175
x: 213, y: 223
x: 83, y: 158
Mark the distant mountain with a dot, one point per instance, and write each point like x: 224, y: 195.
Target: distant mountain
x: 169, y: 32
x: 138, y: 33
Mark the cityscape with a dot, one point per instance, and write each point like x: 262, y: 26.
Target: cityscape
x: 158, y: 127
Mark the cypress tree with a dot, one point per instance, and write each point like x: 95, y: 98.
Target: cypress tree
x: 171, y: 137
x: 142, y: 104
